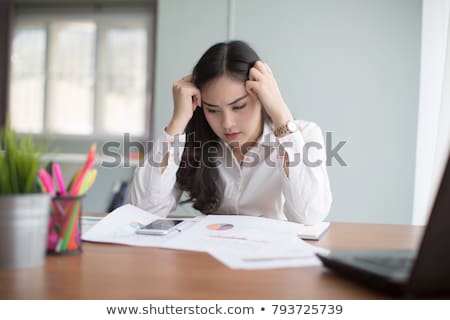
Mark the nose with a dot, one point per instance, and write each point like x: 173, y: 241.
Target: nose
x: 228, y: 119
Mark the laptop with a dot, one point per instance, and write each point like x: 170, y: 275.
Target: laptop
x: 405, y: 273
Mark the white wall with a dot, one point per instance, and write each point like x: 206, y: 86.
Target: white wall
x: 185, y: 29
x: 435, y: 19
x: 352, y: 66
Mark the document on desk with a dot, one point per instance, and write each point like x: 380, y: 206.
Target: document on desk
x: 246, y: 242
x: 240, y: 242
x: 87, y: 222
x: 120, y: 226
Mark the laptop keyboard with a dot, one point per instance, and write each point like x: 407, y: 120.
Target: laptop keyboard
x: 389, y: 262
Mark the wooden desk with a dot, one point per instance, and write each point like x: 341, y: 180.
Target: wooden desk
x: 105, y: 271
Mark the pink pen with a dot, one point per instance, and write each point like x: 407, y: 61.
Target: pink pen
x: 46, y: 180
x: 59, y: 178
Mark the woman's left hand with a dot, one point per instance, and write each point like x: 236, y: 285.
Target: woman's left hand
x: 263, y: 85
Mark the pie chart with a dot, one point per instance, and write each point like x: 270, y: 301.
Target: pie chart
x: 220, y: 226
x: 135, y: 225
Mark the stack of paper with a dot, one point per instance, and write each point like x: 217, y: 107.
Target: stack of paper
x: 240, y: 242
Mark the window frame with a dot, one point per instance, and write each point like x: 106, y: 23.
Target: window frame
x: 102, y: 18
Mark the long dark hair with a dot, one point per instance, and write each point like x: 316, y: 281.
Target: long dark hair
x: 198, y: 174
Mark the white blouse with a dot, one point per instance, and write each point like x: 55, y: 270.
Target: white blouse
x: 259, y: 187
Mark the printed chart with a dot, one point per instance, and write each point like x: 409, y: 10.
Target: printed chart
x: 135, y: 225
x: 220, y: 226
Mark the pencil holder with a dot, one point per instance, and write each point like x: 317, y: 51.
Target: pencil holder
x: 64, y: 232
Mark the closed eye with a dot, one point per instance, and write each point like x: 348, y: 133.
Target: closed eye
x: 239, y: 107
x: 235, y: 108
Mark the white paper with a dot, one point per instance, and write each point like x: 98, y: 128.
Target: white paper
x: 87, y: 222
x: 120, y: 226
x: 244, y: 242
x: 313, y: 232
x: 240, y: 242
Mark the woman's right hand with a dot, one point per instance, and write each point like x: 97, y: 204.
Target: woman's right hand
x: 186, y: 98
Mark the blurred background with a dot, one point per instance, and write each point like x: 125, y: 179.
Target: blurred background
x: 369, y: 72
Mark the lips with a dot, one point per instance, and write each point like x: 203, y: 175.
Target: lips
x: 232, y: 136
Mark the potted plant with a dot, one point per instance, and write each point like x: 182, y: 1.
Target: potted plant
x: 24, y: 209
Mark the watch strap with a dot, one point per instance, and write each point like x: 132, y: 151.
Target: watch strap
x: 283, y: 130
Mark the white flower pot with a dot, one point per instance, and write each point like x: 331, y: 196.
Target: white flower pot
x: 23, y: 230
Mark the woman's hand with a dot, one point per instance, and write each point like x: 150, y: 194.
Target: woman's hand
x: 263, y: 85
x: 186, y: 98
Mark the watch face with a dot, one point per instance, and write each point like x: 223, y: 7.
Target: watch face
x: 291, y: 126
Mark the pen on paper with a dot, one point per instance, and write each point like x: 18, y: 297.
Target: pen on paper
x: 263, y: 259
x: 184, y: 225
x: 237, y: 238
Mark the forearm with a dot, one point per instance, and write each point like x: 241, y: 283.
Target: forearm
x: 154, y: 184
x: 307, y: 195
x: 306, y: 185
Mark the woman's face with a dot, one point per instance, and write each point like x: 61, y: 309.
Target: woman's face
x: 234, y: 115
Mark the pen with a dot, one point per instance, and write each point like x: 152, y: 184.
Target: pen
x: 78, y: 182
x: 47, y: 182
x: 91, y: 175
x: 91, y: 155
x: 59, y: 178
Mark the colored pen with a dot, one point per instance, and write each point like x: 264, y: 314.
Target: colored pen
x: 78, y: 182
x: 88, y: 181
x: 59, y: 178
x: 46, y: 180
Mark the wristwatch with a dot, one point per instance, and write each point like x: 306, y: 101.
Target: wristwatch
x: 285, y: 129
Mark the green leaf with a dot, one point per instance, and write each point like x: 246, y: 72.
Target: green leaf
x: 19, y: 163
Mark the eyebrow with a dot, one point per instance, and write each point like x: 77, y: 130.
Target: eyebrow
x: 228, y: 104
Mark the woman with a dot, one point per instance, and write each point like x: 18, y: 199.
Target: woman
x: 233, y: 146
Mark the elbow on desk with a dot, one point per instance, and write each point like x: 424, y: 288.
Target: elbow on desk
x: 314, y: 211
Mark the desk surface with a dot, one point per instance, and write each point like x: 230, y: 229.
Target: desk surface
x: 105, y: 271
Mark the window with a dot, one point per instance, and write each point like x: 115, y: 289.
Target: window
x: 80, y: 75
